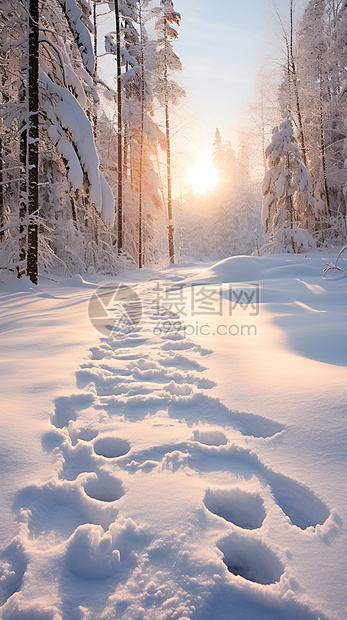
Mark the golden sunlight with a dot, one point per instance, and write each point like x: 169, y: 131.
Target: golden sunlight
x: 203, y: 176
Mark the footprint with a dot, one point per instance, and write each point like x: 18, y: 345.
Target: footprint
x: 176, y: 359
x: 297, y: 501
x: 175, y: 389
x: 111, y: 447
x: 244, y: 509
x: 100, y: 353
x: 251, y: 559
x: 13, y: 564
x: 84, y: 434
x: 256, y: 426
x: 67, y: 407
x: 178, y: 345
x: 210, y: 437
x: 103, y: 487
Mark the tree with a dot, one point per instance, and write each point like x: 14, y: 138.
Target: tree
x: 224, y: 159
x: 123, y: 9
x: 168, y: 91
x: 313, y: 75
x: 62, y: 96
x: 33, y: 140
x: 287, y: 194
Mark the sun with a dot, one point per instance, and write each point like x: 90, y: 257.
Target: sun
x: 203, y: 177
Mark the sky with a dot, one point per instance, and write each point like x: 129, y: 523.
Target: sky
x: 221, y: 45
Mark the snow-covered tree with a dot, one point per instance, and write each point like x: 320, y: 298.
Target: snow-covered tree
x: 288, y: 203
x: 313, y: 77
x: 167, y: 90
x: 141, y: 135
x: 64, y: 147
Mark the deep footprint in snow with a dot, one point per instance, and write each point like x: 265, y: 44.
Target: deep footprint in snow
x: 203, y: 408
x: 251, y: 559
x: 111, y: 447
x: 13, y: 564
x: 67, y: 408
x: 242, y: 508
x: 104, y: 488
x: 303, y: 507
x: 210, y: 437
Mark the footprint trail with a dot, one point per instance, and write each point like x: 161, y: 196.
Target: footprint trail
x: 147, y: 459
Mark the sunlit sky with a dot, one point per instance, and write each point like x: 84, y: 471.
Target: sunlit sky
x: 221, y: 45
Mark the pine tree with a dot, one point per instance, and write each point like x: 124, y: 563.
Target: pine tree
x: 168, y: 91
x: 287, y: 194
x: 313, y: 76
x: 141, y: 134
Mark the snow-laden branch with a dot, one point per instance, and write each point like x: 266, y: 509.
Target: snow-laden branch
x: 72, y: 134
x: 73, y: 14
x: 335, y: 267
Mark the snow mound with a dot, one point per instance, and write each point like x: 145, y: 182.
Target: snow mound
x: 90, y: 553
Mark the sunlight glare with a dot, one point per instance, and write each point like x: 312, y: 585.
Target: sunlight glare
x: 203, y: 177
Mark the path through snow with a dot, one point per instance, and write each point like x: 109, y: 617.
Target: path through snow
x: 160, y: 506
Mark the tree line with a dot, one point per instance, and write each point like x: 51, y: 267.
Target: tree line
x: 80, y: 174
x: 305, y: 184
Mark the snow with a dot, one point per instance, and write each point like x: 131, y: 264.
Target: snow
x: 67, y: 115
x: 80, y: 31
x: 155, y: 475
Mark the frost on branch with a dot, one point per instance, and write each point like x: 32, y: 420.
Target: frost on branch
x: 69, y: 119
x: 73, y: 14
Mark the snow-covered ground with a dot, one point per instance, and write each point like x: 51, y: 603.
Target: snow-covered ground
x: 194, y: 468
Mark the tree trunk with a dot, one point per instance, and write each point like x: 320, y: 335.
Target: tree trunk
x: 23, y: 183
x: 125, y: 152
x: 125, y: 141
x: 120, y: 123
x: 168, y: 158
x: 322, y: 142
x: 141, y: 137
x: 296, y: 88
x: 169, y: 185
x: 4, y: 99
x: 95, y: 105
x: 2, y: 206
x: 33, y: 141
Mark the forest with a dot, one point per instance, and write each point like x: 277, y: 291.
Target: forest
x: 86, y: 162
x: 173, y: 309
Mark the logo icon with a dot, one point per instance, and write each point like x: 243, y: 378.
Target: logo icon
x: 115, y: 309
